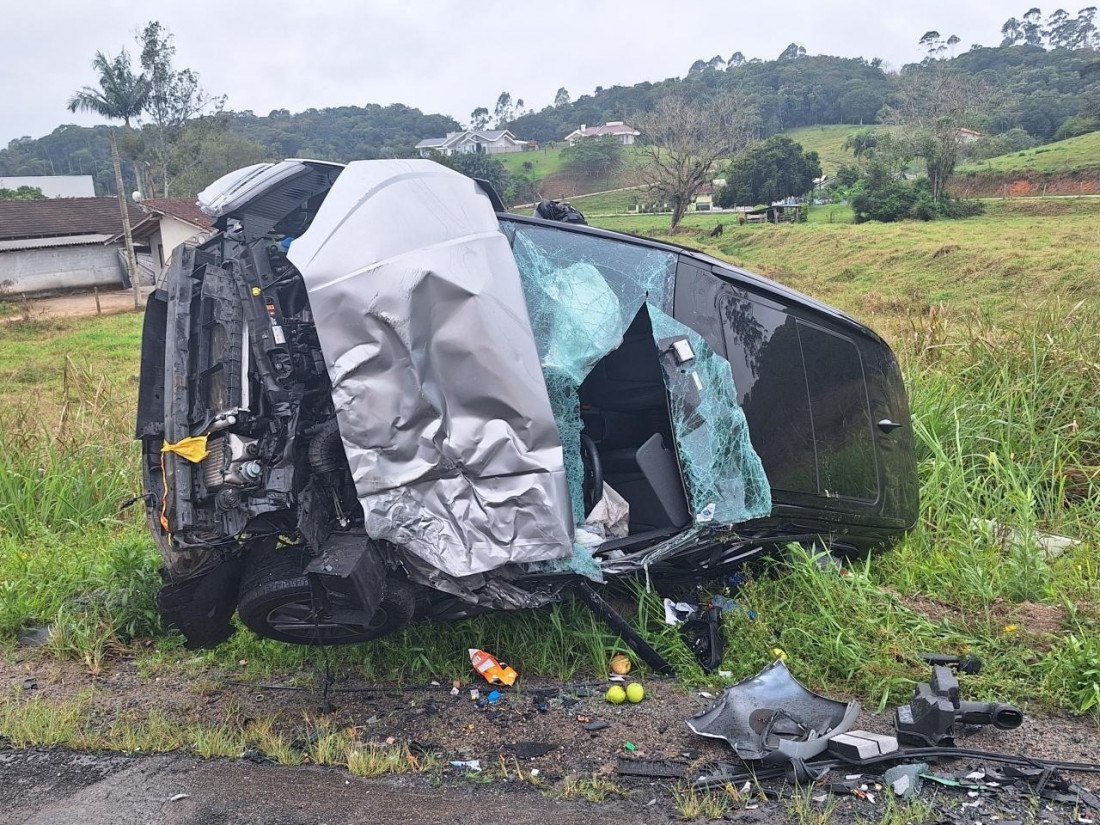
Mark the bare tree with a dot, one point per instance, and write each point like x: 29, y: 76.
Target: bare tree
x: 684, y: 142
x: 935, y: 104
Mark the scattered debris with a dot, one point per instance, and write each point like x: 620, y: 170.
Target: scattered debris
x: 491, y: 669
x: 964, y: 664
x: 774, y: 718
x: 531, y: 750
x: 676, y: 613
x: 651, y: 768
x: 859, y: 745
x: 599, y: 724
x: 704, y: 638
x: 179, y: 796
x: 30, y: 683
x: 468, y: 765
x: 905, y: 780
x: 1009, y: 538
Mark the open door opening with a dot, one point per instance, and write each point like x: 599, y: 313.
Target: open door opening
x: 628, y: 435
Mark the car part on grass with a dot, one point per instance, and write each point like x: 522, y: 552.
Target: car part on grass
x: 969, y: 663
x: 936, y: 714
x: 772, y: 717
x: 561, y: 211
x: 705, y: 639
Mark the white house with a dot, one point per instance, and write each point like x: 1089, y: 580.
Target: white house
x: 489, y: 141
x: 169, y: 222
x: 615, y: 128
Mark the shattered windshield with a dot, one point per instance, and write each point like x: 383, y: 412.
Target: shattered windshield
x: 583, y: 292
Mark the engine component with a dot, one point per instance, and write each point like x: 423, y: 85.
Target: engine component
x: 936, y: 714
x: 231, y: 462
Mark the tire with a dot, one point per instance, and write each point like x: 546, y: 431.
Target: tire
x: 276, y: 602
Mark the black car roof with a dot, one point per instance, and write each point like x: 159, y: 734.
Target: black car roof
x: 758, y: 281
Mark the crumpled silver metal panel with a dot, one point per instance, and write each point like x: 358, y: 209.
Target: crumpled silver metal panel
x: 436, y: 380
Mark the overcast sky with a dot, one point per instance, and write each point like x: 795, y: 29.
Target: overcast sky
x: 444, y: 56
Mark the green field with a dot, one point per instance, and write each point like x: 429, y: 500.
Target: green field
x: 828, y: 142
x: 1018, y: 252
x: 996, y: 321
x: 1073, y: 154
x: 544, y: 162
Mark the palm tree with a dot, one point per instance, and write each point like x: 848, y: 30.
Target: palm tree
x: 121, y: 95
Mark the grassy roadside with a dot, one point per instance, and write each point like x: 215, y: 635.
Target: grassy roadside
x: 1007, y: 425
x: 1019, y: 253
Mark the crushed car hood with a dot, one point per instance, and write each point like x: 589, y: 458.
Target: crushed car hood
x: 439, y: 394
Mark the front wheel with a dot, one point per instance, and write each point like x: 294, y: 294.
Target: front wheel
x: 277, y: 602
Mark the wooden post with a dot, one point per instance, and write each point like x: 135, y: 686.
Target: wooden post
x: 95, y: 291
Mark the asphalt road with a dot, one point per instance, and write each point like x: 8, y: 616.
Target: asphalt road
x: 65, y: 788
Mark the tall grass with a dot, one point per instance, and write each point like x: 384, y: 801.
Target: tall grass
x: 1007, y: 428
x: 67, y: 462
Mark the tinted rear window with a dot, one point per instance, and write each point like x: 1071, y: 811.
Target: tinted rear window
x: 804, y: 395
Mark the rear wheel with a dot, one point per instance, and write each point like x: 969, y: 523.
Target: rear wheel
x: 278, y: 602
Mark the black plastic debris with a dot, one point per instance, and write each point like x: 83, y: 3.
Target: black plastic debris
x: 599, y: 724
x: 560, y: 211
x: 964, y: 664
x: 651, y: 769
x: 773, y: 717
x: 705, y: 639
x: 531, y: 749
x: 30, y: 683
x: 936, y: 714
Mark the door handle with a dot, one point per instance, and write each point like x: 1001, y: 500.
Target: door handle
x: 888, y: 426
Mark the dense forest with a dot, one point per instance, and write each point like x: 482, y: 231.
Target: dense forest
x: 1048, y: 91
x: 1024, y: 86
x: 229, y: 140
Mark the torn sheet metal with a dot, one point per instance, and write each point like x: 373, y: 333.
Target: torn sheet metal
x: 436, y: 380
x: 772, y: 717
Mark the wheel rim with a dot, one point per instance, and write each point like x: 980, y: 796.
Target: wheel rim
x: 298, y: 620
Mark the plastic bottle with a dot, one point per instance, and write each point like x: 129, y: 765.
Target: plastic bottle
x: 492, y: 670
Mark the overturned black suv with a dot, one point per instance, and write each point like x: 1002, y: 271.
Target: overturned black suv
x: 374, y: 395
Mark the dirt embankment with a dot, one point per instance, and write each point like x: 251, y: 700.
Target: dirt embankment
x: 1025, y: 184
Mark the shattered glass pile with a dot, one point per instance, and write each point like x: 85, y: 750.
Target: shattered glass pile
x: 582, y: 293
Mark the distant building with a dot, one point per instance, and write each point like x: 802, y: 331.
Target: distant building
x: 169, y: 222
x: 54, y: 186
x: 615, y: 128
x: 970, y: 135
x: 62, y: 244
x: 472, y: 141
